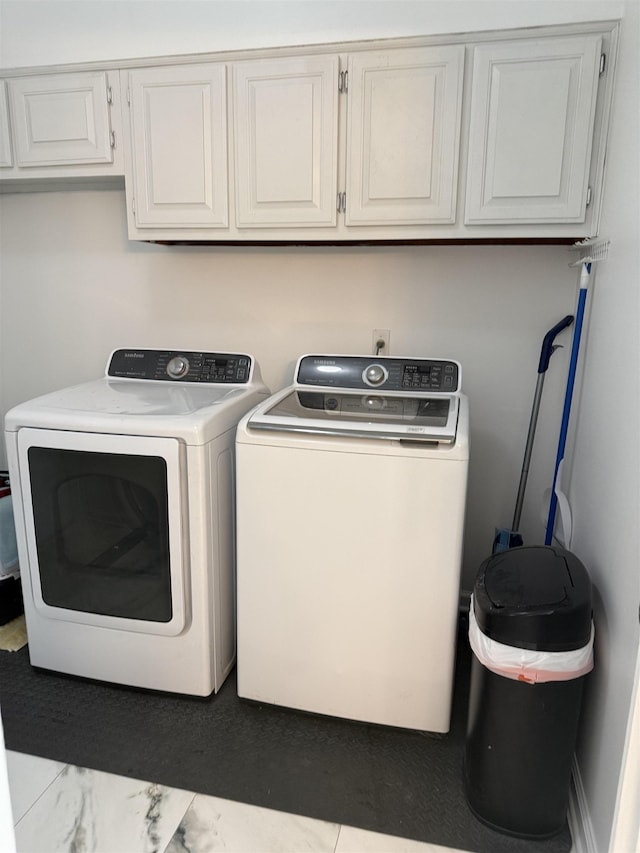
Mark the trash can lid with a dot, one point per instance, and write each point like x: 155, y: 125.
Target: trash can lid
x: 534, y: 598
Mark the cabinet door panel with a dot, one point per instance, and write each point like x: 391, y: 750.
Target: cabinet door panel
x: 286, y: 132
x: 179, y: 133
x: 5, y: 139
x: 533, y: 106
x: 403, y: 132
x: 61, y: 119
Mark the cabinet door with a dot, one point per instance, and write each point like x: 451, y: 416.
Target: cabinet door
x: 5, y: 139
x: 532, y: 117
x: 403, y: 135
x: 61, y: 119
x: 179, y: 146
x: 286, y: 141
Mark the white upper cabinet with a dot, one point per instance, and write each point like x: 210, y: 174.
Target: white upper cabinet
x: 61, y: 119
x: 286, y: 141
x: 178, y: 122
x: 400, y: 133
x: 532, y: 117
x: 61, y: 126
x: 6, y: 159
x: 403, y: 135
x: 488, y: 136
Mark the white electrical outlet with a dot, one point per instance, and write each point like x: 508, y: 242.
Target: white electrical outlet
x: 381, y: 341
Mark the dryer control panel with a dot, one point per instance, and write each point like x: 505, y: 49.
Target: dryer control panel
x: 180, y: 366
x: 392, y: 374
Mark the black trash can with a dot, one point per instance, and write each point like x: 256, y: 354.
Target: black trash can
x: 530, y: 628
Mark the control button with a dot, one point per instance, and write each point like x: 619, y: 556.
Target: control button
x: 375, y: 374
x: 178, y: 366
x: 331, y: 403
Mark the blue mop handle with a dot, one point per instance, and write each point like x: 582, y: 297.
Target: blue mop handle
x: 564, y: 426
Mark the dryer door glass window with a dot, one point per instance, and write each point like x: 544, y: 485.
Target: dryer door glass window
x: 102, y: 532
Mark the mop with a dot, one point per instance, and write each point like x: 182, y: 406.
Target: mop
x: 505, y: 537
x: 595, y: 250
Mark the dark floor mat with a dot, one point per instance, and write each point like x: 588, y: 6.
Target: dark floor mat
x: 387, y: 780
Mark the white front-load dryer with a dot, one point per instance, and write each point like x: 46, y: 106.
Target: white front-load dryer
x: 124, y: 501
x: 351, y: 488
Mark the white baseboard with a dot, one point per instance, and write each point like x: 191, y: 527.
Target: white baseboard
x: 580, y: 824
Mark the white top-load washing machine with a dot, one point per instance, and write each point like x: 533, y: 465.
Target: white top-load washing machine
x: 124, y: 502
x: 351, y: 492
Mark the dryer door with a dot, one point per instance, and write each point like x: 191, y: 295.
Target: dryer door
x: 103, y: 527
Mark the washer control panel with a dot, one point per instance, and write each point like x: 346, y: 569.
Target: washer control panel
x: 393, y: 374
x: 180, y: 366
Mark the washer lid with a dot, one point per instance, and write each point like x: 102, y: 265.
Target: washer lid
x: 421, y: 418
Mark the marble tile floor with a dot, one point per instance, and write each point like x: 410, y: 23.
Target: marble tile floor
x: 60, y: 807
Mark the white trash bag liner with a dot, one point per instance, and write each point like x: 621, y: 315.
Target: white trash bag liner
x: 532, y: 667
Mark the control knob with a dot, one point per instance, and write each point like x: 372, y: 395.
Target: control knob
x: 178, y: 366
x: 375, y: 374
